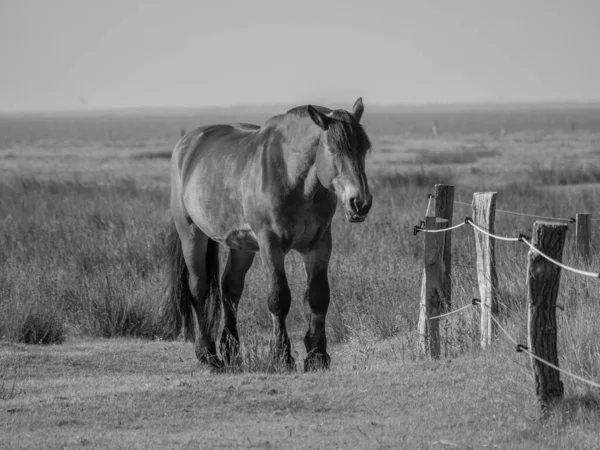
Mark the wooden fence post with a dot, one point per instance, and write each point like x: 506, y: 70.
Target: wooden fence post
x: 543, y: 279
x: 484, y: 211
x: 444, y: 207
x: 431, y: 288
x: 583, y: 231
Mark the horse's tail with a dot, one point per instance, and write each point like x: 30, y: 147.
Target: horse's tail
x: 212, y: 305
x: 177, y: 307
x: 178, y: 311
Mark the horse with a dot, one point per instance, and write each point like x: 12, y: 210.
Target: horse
x: 266, y: 190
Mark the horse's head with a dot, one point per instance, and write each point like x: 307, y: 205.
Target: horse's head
x: 341, y: 158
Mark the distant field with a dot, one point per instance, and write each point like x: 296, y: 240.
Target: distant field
x: 164, y: 126
x: 83, y: 202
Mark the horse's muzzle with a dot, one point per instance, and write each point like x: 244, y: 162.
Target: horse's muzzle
x: 358, y: 208
x: 354, y: 217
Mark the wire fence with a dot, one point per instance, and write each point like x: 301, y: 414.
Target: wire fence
x: 559, y: 264
x: 453, y: 312
x: 519, y: 347
x: 525, y: 239
x: 520, y: 238
x: 481, y: 230
x: 443, y: 230
x: 535, y: 216
x: 524, y: 349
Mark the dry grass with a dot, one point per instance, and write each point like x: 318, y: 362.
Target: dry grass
x: 126, y: 393
x: 81, y: 255
x: 8, y: 384
x: 79, y: 259
x: 461, y: 155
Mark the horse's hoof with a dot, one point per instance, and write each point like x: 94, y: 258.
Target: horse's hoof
x: 209, y: 359
x: 212, y: 363
x: 317, y: 361
x: 232, y: 360
x: 290, y: 364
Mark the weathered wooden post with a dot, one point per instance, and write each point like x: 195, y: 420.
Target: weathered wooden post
x: 431, y: 288
x: 484, y: 213
x: 444, y: 207
x: 543, y: 278
x: 583, y: 231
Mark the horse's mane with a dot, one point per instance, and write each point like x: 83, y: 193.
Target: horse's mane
x: 345, y: 131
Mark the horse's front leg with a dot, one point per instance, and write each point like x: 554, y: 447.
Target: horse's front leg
x: 279, y: 297
x: 316, y: 300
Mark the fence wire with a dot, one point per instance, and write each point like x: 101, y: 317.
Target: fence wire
x: 566, y: 372
x: 564, y: 266
x: 524, y: 239
x: 443, y: 230
x: 481, y: 230
x: 510, y: 338
x: 535, y: 216
x: 451, y: 312
x: 521, y: 238
x: 430, y: 197
x: 521, y: 348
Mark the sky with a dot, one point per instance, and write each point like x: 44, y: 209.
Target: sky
x: 84, y: 54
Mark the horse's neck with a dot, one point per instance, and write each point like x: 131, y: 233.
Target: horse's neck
x: 299, y: 149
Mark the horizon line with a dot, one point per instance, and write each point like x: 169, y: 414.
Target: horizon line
x: 265, y: 106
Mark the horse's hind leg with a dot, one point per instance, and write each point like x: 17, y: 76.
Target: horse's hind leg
x: 194, y: 244
x: 316, y: 299
x: 232, y: 285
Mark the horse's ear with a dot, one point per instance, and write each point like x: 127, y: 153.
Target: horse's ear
x: 358, y: 109
x: 319, y: 118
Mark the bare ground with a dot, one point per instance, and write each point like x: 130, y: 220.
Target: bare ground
x: 139, y: 394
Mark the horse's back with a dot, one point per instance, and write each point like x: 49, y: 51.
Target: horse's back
x: 213, y: 142
x: 208, y: 169
x: 208, y: 134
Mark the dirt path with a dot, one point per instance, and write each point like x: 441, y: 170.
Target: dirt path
x: 139, y: 394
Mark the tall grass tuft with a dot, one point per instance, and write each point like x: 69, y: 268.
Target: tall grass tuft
x: 79, y: 258
x: 559, y: 175
x: 257, y: 355
x: 38, y: 328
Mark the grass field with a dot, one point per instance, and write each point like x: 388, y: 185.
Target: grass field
x: 83, y: 203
